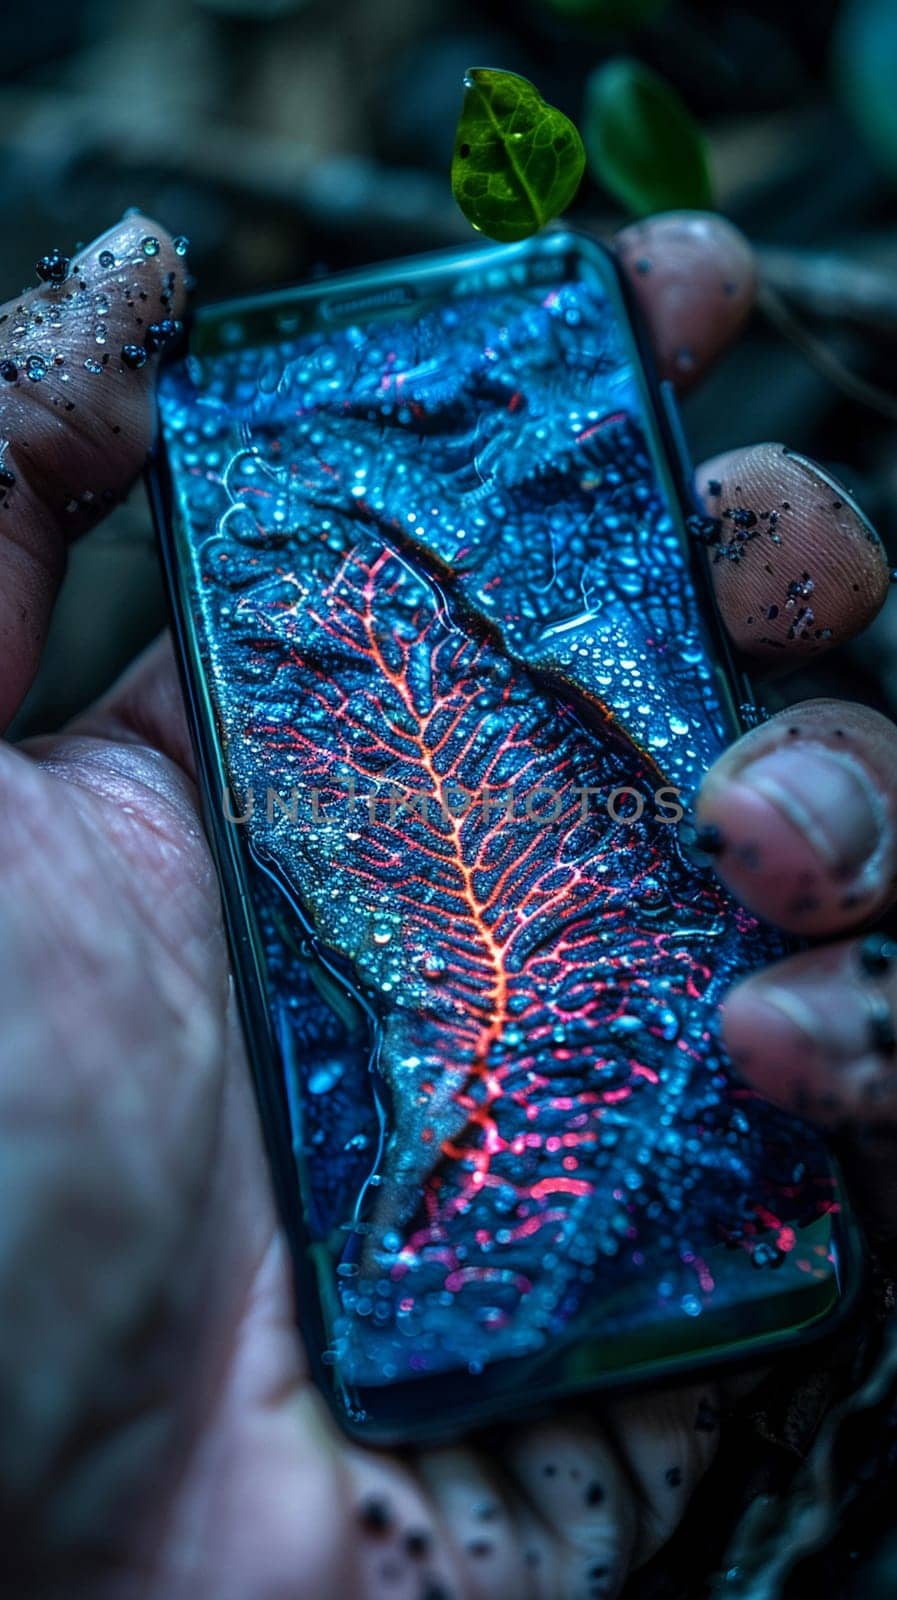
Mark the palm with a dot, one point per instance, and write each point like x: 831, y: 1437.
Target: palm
x: 216, y: 1463
x: 172, y: 1244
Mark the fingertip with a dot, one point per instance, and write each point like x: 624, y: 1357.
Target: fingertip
x: 816, y: 1036
x: 119, y: 308
x: 403, y: 1546
x: 804, y: 813
x: 137, y: 254
x: 693, y: 276
x: 668, y: 1439
x: 797, y: 567
x: 569, y: 1473
x: 77, y: 361
x: 767, y: 1043
x: 772, y: 859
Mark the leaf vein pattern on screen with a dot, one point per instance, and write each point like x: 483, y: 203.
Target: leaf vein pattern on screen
x: 447, y: 608
x: 460, y: 915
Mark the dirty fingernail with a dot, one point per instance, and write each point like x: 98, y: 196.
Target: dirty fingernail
x: 826, y: 796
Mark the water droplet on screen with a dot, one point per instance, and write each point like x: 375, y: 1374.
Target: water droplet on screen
x: 324, y: 1076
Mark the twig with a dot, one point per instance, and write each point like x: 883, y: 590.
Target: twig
x: 835, y: 286
x: 823, y: 357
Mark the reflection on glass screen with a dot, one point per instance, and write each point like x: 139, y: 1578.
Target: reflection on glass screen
x: 464, y: 693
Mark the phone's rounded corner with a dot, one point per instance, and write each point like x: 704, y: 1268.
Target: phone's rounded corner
x: 854, y: 1268
x: 567, y: 238
x: 362, y: 1427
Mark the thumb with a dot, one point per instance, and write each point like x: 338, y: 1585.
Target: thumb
x: 76, y: 414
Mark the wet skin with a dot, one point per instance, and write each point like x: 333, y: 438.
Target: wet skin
x: 181, y: 1449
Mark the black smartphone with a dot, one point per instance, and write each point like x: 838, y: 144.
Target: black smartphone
x: 454, y: 670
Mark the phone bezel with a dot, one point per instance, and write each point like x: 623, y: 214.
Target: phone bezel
x: 366, y: 292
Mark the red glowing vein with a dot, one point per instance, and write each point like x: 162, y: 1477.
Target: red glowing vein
x: 515, y: 919
x: 497, y: 992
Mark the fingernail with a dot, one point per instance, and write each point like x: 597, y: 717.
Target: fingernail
x: 827, y: 796
x: 838, y: 497
x: 840, y: 1019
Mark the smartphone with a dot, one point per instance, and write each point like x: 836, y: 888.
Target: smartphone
x: 454, y: 671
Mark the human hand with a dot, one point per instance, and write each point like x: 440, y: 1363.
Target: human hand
x: 162, y: 1434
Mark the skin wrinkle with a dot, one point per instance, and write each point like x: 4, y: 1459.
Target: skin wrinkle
x: 120, y: 1151
x: 805, y: 1030
x: 798, y: 1013
x: 773, y: 884
x: 262, y: 1362
x: 141, y: 779
x: 48, y: 559
x: 186, y: 1554
x: 87, y: 1062
x: 152, y: 718
x: 860, y: 1007
x: 803, y: 817
x: 172, y: 985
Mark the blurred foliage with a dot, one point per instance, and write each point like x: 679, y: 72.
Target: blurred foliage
x: 631, y: 14
x: 643, y: 144
x: 518, y: 162
x: 864, y: 64
x: 255, y: 10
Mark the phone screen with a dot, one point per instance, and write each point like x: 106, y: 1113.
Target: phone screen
x: 436, y: 580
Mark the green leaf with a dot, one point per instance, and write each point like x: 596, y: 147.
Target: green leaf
x: 517, y: 161
x: 628, y: 14
x: 644, y: 145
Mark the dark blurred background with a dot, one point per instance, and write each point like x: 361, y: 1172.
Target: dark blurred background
x: 292, y: 136
x: 288, y: 137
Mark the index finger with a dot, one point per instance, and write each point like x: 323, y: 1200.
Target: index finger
x: 693, y: 277
x: 75, y: 414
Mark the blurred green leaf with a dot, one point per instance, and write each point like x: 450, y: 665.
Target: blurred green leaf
x: 629, y: 14
x: 643, y: 144
x: 517, y: 161
x: 864, y: 65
